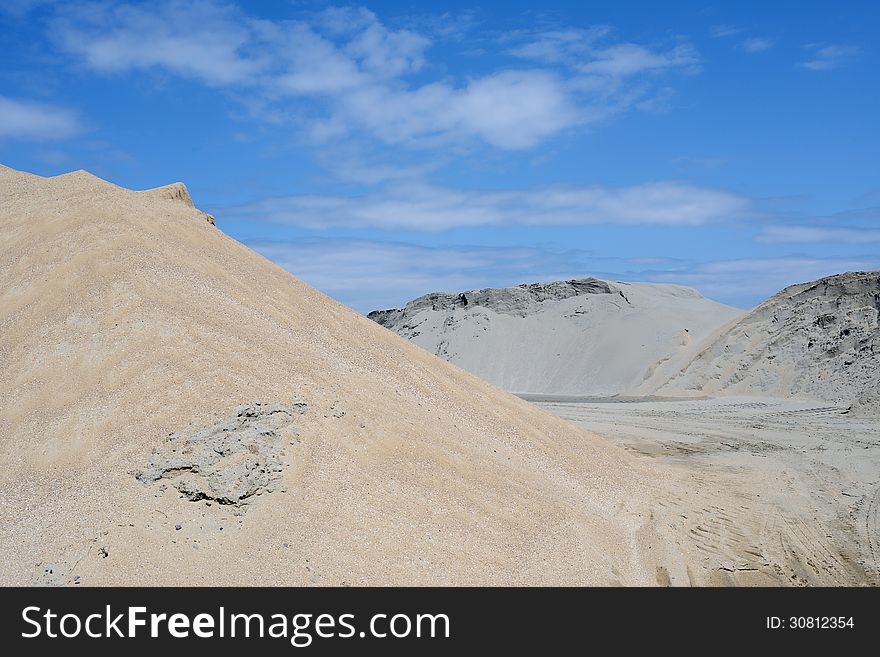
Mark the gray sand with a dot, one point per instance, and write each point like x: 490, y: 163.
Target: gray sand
x: 577, y: 337
x: 783, y: 491
x: 817, y: 340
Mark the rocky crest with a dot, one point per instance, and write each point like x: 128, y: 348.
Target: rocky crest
x: 520, y: 300
x: 178, y: 192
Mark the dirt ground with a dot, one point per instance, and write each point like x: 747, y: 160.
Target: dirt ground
x: 772, y: 491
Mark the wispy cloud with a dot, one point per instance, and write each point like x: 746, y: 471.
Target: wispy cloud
x: 755, y: 45
x: 750, y: 45
x: 628, y: 59
x: 803, y: 234
x: 607, y: 78
x: 747, y: 281
x: 372, y: 274
x: 709, y: 162
x: 827, y: 57
x: 422, y: 207
x: 208, y: 41
x: 721, y: 31
x: 353, y: 162
x: 352, y: 67
x: 349, y: 74
x: 560, y: 46
x: 25, y: 119
x: 510, y: 109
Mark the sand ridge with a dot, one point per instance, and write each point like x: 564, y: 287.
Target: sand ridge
x: 577, y: 337
x: 818, y: 340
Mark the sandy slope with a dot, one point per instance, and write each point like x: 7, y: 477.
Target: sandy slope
x: 126, y: 316
x: 817, y: 340
x: 579, y: 337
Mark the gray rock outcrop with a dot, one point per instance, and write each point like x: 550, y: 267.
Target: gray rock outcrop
x: 519, y: 301
x: 230, y: 462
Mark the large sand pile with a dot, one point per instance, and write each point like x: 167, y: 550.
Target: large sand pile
x: 578, y: 337
x: 818, y: 340
x: 178, y: 410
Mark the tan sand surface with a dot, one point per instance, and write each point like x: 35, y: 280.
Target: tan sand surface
x: 126, y: 316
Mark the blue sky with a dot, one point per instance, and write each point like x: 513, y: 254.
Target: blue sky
x: 386, y: 150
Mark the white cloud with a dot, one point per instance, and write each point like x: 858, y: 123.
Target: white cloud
x: 513, y: 109
x: 315, y: 66
x: 802, y: 234
x: 557, y: 46
x: 750, y: 280
x: 422, y: 207
x: 24, y: 119
x: 720, y: 31
x: 373, y: 274
x: 510, y: 110
x: 629, y: 59
x: 200, y: 39
x: 342, y: 72
x: 355, y: 71
x: 756, y: 44
x: 659, y: 102
x: 607, y: 78
x: 825, y: 58
x: 354, y: 162
x: 386, y: 52
x: 370, y: 275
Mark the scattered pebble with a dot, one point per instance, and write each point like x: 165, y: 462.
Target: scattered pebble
x: 336, y: 409
x: 178, y: 527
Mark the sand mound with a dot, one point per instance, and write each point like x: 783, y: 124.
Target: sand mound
x: 818, y: 340
x: 126, y: 317
x: 578, y: 337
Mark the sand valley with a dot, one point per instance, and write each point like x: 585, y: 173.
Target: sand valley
x: 769, y: 418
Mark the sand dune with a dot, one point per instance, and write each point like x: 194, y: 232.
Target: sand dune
x: 135, y: 339
x: 817, y: 340
x: 579, y: 337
